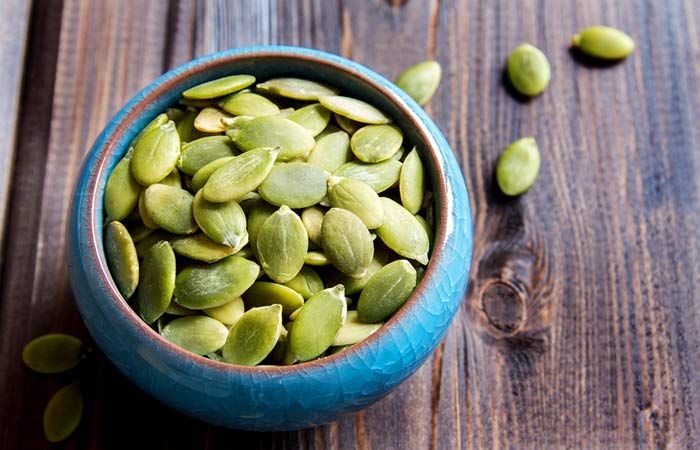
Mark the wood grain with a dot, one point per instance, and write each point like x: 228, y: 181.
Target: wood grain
x: 581, y: 326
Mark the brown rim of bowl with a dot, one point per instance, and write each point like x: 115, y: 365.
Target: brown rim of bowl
x: 150, y: 333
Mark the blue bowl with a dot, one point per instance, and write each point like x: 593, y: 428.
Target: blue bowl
x: 271, y: 398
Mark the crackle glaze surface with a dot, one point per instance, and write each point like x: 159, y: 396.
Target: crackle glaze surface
x: 287, y: 397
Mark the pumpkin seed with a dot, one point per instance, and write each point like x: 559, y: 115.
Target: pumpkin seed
x: 201, y: 248
x: 177, y: 310
x: 53, y: 353
x: 428, y: 229
x: 273, y: 131
x: 197, y: 334
x: 354, y: 331
x: 139, y: 232
x: 143, y: 213
x: 170, y: 208
x: 528, y: 70
x: 346, y: 242
x: 386, y: 291
x: 148, y: 242
x: 296, y: 184
x: 63, y: 413
x: 265, y: 293
x: 412, y: 182
x: 254, y: 336
x: 156, y: 154
x: 358, y: 198
x: 173, y: 179
x: 185, y: 126
x: 202, y: 176
x: 296, y: 88
x: 518, y: 166
x: 248, y: 104
x: 282, y: 243
x: 347, y: 125
x: 380, y: 176
x: 353, y: 109
x: 224, y: 223
x: 331, y: 151
x: 318, y: 323
x: 420, y: 81
x: 157, y: 282
x: 307, y: 282
x: 355, y: 285
x: 122, y: 190
x: 240, y: 176
x: 228, y: 313
x: 313, y: 117
x: 122, y: 259
x: 312, y: 218
x: 200, y: 287
x: 316, y: 259
x: 209, y: 120
x: 375, y: 143
x: 220, y: 87
x: 604, y: 42
x: 199, y: 153
x: 402, y: 233
x: 258, y: 213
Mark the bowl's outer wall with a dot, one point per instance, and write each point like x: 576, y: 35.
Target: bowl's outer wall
x: 270, y: 399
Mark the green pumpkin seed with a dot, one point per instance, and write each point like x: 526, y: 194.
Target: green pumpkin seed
x: 156, y: 154
x: 313, y: 117
x: 402, y: 233
x: 331, y: 151
x: 399, y: 154
x: 528, y: 70
x: 143, y: 213
x: 312, y: 218
x: 63, y: 413
x: 248, y: 104
x: 53, y: 353
x: 518, y: 166
x: 353, y: 109
x: 148, y: 242
x: 258, y: 213
x: 282, y: 243
x: 209, y: 120
x: 139, y: 232
x: 219, y: 87
x: 173, y: 179
x: 346, y: 242
x: 347, y: 125
x: 185, y: 126
x: 176, y: 310
x: 604, y: 42
x: 202, y: 176
x: 265, y: 293
x: 254, y: 336
x: 428, y: 229
x: 386, y: 291
x: 201, y: 248
x: 273, y: 131
x: 296, y: 88
x: 229, y: 313
x: 318, y: 323
x: 122, y: 190
x: 240, y: 176
x: 412, y: 182
x: 420, y: 81
x: 307, y: 282
x: 199, y: 153
x: 380, y: 176
x: 157, y: 282
x: 215, y: 284
x: 122, y: 259
x: 170, y: 208
x: 354, y: 331
x: 316, y: 259
x: 231, y: 123
x: 358, y: 198
x: 224, y: 223
x: 375, y: 143
x: 355, y: 285
x: 197, y: 334
x: 296, y: 184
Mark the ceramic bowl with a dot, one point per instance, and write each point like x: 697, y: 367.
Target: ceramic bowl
x: 271, y: 398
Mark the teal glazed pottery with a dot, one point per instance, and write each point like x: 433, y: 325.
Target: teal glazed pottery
x: 271, y: 398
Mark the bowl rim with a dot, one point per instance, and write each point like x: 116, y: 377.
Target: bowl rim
x: 137, y: 106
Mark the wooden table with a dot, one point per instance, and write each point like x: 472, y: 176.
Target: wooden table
x: 581, y: 327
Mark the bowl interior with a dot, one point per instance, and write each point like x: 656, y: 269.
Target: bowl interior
x: 351, y: 78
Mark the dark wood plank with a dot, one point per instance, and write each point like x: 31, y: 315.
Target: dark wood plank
x: 580, y: 328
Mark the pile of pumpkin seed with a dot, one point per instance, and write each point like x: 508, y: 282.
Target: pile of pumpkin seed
x: 269, y: 223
